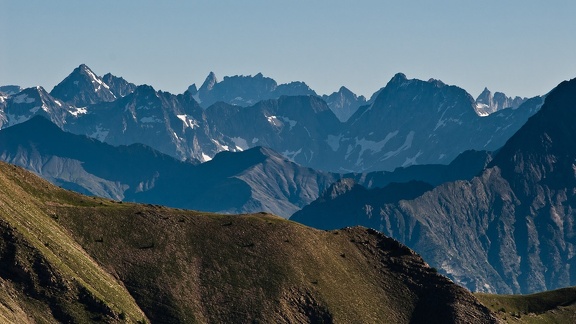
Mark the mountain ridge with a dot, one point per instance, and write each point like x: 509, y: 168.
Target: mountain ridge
x: 179, y: 126
x: 180, y: 266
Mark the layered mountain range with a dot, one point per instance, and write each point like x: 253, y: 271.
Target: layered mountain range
x: 254, y: 180
x: 482, y: 194
x: 510, y: 229
x: 405, y: 123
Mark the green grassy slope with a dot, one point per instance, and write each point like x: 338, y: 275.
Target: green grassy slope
x: 41, y: 261
x: 556, y: 306
x: 69, y: 257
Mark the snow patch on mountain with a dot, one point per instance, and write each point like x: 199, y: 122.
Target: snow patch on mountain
x: 291, y: 122
x: 407, y: 144
x: 240, y: 143
x: 188, y: 121
x: 23, y: 98
x: 291, y: 155
x: 205, y: 158
x: 152, y: 119
x: 220, y: 146
x: 334, y: 142
x: 482, y: 109
x: 274, y: 121
x: 13, y: 119
x: 411, y: 160
x: 100, y: 133
x: 374, y: 146
x: 78, y: 111
x: 95, y: 79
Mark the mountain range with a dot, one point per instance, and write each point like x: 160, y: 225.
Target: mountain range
x: 405, y: 123
x: 481, y: 190
x: 254, y: 180
x: 510, y: 229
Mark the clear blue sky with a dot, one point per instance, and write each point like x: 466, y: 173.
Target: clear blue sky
x: 519, y: 47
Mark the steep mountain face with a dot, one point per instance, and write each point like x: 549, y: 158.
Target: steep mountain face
x: 251, y: 181
x: 486, y: 103
x: 344, y: 103
x: 262, y: 179
x: 118, y: 86
x: 414, y: 122
x: 169, y: 123
x: 83, y: 87
x: 245, y: 91
x: 509, y: 230
x: 82, y: 259
x: 32, y: 102
x: 293, y: 126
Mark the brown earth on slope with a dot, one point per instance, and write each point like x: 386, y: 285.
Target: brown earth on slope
x: 71, y: 258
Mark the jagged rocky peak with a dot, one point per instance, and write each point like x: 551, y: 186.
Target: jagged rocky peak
x: 436, y: 82
x: 246, y: 90
x: 118, y: 85
x: 488, y: 103
x: 209, y: 82
x: 192, y: 89
x: 400, y: 80
x: 339, y: 188
x: 83, y: 87
x: 344, y: 103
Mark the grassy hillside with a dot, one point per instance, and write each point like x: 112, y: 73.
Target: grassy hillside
x: 556, y: 306
x: 47, y: 275
x: 72, y: 258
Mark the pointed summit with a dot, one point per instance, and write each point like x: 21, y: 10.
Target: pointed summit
x: 209, y: 83
x: 399, y: 77
x: 344, y: 103
x: 83, y: 87
x: 192, y: 89
x: 488, y: 103
x: 485, y: 97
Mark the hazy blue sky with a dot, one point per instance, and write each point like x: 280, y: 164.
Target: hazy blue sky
x: 520, y: 47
